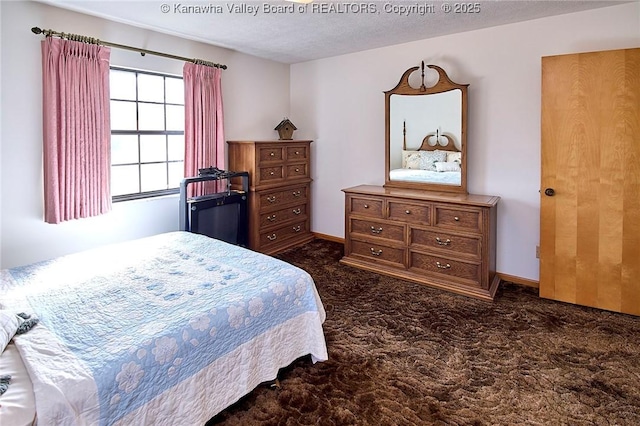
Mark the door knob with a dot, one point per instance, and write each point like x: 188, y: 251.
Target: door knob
x: 549, y: 192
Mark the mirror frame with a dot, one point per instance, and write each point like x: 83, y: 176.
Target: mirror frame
x: 444, y: 84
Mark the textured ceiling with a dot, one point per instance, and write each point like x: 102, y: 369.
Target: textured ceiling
x: 292, y: 32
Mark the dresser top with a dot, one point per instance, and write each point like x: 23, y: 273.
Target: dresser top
x: 417, y: 194
x: 273, y: 141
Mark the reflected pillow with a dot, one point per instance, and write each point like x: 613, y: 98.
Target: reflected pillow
x: 445, y: 166
x: 411, y: 160
x: 430, y: 158
x: 454, y: 156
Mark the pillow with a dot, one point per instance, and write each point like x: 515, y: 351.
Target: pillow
x: 430, y: 158
x: 12, y: 324
x: 454, y: 156
x: 411, y: 160
x: 444, y: 166
x: 9, y: 323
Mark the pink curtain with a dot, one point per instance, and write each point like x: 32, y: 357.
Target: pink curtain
x: 76, y: 132
x: 204, y: 127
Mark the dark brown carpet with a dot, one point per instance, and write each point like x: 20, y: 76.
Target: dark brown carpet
x: 405, y: 354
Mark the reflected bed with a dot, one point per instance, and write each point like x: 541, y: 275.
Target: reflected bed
x: 437, y: 163
x: 413, y: 175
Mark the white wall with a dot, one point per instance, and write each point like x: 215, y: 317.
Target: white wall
x: 256, y: 97
x: 339, y: 102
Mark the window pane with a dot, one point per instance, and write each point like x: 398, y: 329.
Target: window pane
x: 153, y: 148
x: 150, y: 88
x: 176, y: 147
x: 175, y: 117
x: 176, y: 174
x: 174, y: 90
x: 153, y: 177
x: 124, y: 180
x: 122, y: 85
x: 151, y: 116
x: 123, y: 115
x: 124, y: 149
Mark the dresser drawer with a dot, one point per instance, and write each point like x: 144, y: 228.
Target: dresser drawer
x: 444, y: 267
x: 410, y: 213
x: 284, y: 233
x: 366, y: 207
x: 297, y: 153
x: 295, y: 194
x: 445, y: 241
x: 297, y: 170
x: 274, y: 199
x: 283, y: 215
x: 270, y: 199
x: 378, y: 253
x: 267, y: 154
x: 385, y: 230
x: 270, y: 173
x: 458, y: 218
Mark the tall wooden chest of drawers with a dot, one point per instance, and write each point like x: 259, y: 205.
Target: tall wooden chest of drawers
x: 279, y: 191
x: 444, y: 240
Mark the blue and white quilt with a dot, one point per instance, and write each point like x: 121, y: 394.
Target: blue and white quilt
x: 165, y: 329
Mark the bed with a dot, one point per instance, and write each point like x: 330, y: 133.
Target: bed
x: 162, y: 330
x: 437, y: 160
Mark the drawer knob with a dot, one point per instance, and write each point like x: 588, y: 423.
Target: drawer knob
x: 297, y: 228
x: 376, y: 252
x: 272, y: 173
x: 297, y: 211
x: 376, y: 231
x: 441, y: 266
x: 271, y: 218
x: 366, y: 206
x: 297, y: 170
x: 271, y: 198
x: 273, y: 154
x: 443, y: 243
x: 297, y: 152
x: 296, y: 193
x: 407, y: 211
x: 456, y: 218
x: 271, y: 237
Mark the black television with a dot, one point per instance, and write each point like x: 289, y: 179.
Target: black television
x: 221, y: 215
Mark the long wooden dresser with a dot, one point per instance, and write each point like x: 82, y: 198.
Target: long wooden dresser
x: 279, y: 191
x: 440, y: 239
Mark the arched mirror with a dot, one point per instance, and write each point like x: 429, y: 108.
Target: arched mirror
x: 426, y: 134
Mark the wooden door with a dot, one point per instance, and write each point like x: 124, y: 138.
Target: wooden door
x: 590, y: 225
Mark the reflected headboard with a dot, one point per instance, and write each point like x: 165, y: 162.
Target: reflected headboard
x: 426, y: 146
x: 449, y: 146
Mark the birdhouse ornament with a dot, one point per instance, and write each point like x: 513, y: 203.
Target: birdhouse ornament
x: 285, y: 129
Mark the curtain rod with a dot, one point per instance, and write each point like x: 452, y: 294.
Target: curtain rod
x: 85, y: 39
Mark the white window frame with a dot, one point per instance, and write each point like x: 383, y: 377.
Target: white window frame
x: 146, y: 194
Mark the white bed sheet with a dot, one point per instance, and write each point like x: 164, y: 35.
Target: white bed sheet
x: 17, y: 404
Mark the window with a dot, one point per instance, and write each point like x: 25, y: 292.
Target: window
x: 147, y: 134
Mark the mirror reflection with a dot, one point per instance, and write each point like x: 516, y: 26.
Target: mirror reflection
x: 426, y: 134
x: 426, y: 138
